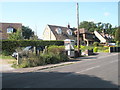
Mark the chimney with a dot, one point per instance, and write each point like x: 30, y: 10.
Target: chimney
x: 68, y: 25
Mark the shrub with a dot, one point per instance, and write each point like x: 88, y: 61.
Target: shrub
x: 95, y: 44
x: 50, y: 58
x: 5, y: 53
x: 56, y: 49
x: 47, y: 58
x: 117, y: 43
x: 107, y: 50
x: 95, y: 49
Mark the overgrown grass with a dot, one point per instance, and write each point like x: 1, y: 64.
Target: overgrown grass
x: 54, y: 55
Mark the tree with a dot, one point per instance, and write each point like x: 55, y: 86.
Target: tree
x: 16, y: 35
x: 117, y: 34
x: 90, y: 26
x: 34, y: 37
x: 27, y: 32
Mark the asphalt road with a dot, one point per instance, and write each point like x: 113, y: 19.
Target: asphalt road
x: 100, y: 71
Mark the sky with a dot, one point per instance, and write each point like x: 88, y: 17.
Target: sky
x: 37, y: 15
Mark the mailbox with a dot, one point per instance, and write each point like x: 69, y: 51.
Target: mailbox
x: 69, y: 47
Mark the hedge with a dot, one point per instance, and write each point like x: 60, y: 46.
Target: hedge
x: 11, y: 45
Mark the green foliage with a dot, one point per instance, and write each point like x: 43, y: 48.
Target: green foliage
x: 47, y: 58
x: 117, y: 43
x: 5, y: 57
x: 117, y: 34
x: 56, y: 49
x: 107, y: 50
x: 55, y: 54
x: 27, y: 32
x: 103, y: 49
x: 9, y: 46
x: 91, y: 26
x: 95, y: 44
x: 16, y: 36
x: 95, y: 49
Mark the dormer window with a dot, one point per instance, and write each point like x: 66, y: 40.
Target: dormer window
x: 10, y: 30
x: 69, y: 32
x: 59, y: 31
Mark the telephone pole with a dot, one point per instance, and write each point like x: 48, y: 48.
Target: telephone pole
x: 78, y: 36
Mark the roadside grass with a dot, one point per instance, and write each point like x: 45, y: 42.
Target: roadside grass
x: 6, y: 57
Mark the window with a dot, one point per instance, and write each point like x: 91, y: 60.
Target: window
x: 9, y: 30
x: 69, y: 32
x: 59, y: 31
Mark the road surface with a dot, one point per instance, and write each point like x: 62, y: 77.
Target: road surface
x: 99, y: 71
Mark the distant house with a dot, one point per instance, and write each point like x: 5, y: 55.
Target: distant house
x: 86, y: 37
x: 53, y: 32
x: 8, y: 28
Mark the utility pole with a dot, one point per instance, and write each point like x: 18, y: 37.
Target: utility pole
x: 36, y: 29
x: 78, y: 36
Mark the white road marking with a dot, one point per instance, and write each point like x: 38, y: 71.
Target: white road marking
x: 88, y: 69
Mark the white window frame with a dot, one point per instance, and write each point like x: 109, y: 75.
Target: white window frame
x: 59, y: 31
x: 10, y: 30
x: 69, y: 32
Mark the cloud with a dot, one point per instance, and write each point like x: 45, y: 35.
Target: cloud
x: 91, y: 20
x: 106, y: 13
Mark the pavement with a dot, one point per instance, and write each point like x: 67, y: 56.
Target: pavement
x: 98, y: 71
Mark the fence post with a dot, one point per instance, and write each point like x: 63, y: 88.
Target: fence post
x: 109, y: 50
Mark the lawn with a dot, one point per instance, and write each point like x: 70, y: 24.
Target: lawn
x: 6, y: 57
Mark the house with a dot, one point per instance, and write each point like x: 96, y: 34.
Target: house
x: 53, y: 32
x: 8, y: 28
x: 86, y: 37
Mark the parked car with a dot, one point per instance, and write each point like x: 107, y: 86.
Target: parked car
x: 26, y: 50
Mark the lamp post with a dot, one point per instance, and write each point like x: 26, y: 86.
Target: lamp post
x: 78, y: 36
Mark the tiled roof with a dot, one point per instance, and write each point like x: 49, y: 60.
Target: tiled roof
x: 64, y: 34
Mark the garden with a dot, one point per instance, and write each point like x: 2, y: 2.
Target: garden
x: 54, y: 52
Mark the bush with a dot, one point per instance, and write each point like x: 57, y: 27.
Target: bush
x: 107, y: 50
x: 103, y: 49
x: 95, y: 44
x: 56, y: 49
x: 50, y: 57
x: 117, y: 43
x: 95, y: 49
x: 5, y: 53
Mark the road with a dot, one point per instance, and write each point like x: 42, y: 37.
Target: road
x: 100, y: 71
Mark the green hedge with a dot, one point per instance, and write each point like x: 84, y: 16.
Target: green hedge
x: 9, y: 46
